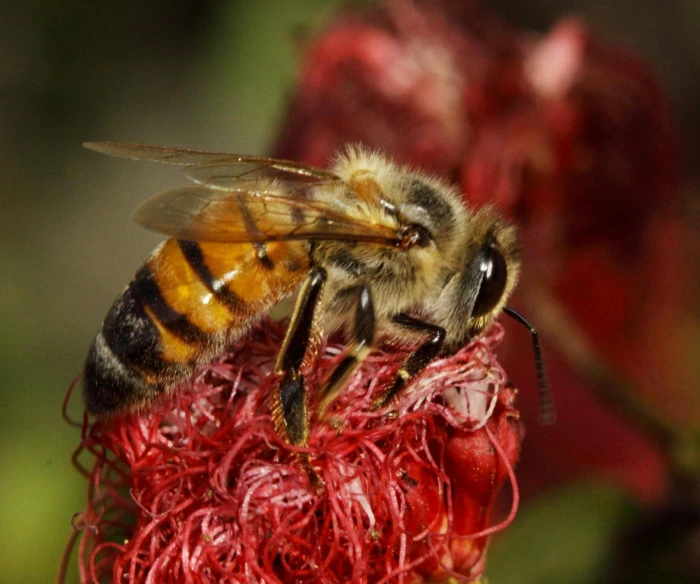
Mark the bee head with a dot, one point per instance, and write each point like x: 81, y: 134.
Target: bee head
x: 479, y: 291
x: 492, y: 271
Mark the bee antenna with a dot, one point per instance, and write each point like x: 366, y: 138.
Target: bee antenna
x: 547, y: 413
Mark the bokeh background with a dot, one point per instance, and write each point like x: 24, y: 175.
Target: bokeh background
x: 214, y: 75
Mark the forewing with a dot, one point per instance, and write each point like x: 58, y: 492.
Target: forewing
x: 199, y: 213
x: 252, y: 199
x: 240, y: 175
x: 217, y: 169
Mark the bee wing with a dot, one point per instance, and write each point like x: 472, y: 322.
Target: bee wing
x: 259, y: 212
x: 250, y: 198
x: 217, y: 169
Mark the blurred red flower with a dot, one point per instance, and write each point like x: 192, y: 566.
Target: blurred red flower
x: 571, y: 137
x: 202, y: 489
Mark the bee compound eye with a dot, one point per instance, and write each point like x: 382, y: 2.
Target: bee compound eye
x: 492, y: 267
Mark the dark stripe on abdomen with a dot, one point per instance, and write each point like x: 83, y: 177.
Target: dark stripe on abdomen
x: 254, y: 230
x: 147, y: 292
x: 192, y: 252
x: 109, y: 385
x: 131, y: 335
x: 263, y: 258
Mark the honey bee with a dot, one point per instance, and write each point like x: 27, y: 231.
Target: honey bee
x: 375, y: 249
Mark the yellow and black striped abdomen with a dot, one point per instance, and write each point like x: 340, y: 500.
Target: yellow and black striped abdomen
x: 184, y: 304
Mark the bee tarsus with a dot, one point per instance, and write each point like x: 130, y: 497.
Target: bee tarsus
x: 417, y: 360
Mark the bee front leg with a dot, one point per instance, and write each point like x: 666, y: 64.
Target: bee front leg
x: 361, y: 346
x: 417, y: 360
x: 289, y: 411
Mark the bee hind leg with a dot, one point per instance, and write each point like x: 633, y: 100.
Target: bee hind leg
x: 417, y: 360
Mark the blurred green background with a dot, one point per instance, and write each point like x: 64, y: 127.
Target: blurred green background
x: 200, y: 74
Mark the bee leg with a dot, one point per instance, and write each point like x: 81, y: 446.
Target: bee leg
x: 417, y: 360
x: 289, y: 411
x: 361, y: 347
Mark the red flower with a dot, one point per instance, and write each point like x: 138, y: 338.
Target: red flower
x: 411, y: 80
x: 202, y: 489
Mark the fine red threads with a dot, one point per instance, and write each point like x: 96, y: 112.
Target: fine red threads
x: 66, y: 401
x: 202, y: 489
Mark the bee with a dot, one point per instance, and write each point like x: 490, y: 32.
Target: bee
x: 370, y: 247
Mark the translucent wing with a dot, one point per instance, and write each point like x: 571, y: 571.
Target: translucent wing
x: 217, y: 169
x: 199, y: 213
x: 254, y: 199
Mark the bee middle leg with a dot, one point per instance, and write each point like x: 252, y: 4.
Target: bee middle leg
x: 362, y: 341
x: 417, y: 360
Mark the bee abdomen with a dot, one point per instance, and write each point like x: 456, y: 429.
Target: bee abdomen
x: 109, y: 384
x: 182, y: 307
x: 126, y: 363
